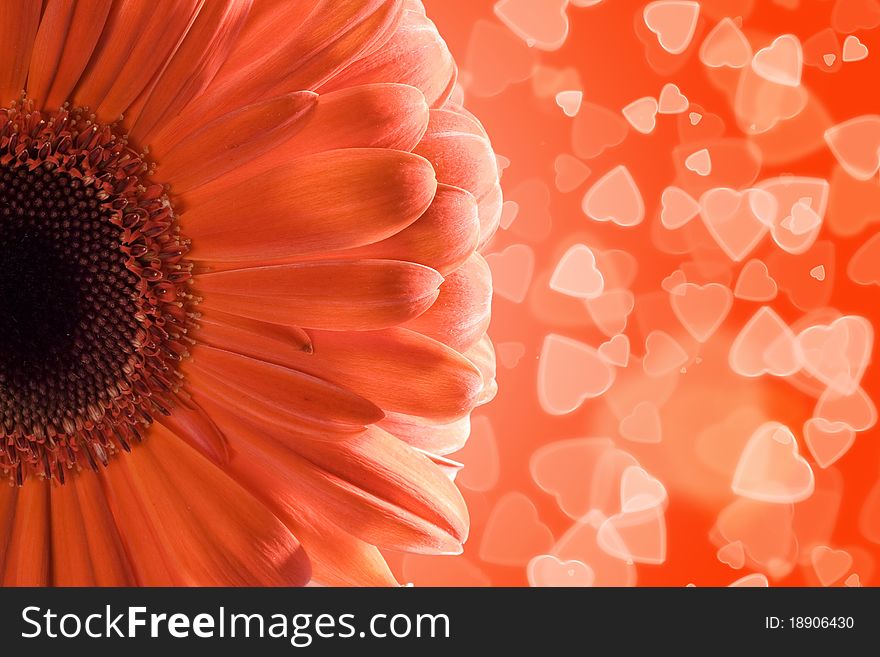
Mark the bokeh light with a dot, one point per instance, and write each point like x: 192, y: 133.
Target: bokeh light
x: 685, y: 294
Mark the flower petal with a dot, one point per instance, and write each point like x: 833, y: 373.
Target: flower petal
x: 19, y: 22
x: 458, y: 148
x: 48, y: 45
x: 415, y: 55
x: 443, y: 238
x: 386, y: 116
x: 27, y: 554
x: 335, y: 295
x: 489, y: 209
x: 234, y: 139
x: 8, y: 503
x: 407, y: 503
x: 173, y: 504
x: 277, y: 417
x: 71, y: 561
x: 194, y: 427
x: 333, y: 35
x: 260, y: 36
x: 461, y: 314
x: 193, y: 66
x: 398, y: 369
x: 338, y: 199
x: 296, y: 393
x: 381, y: 115
x: 378, y: 463
x: 110, y: 563
x: 340, y: 559
x: 482, y: 355
x: 260, y: 340
x: 428, y: 435
x: 137, y: 40
x: 447, y: 466
x: 77, y: 40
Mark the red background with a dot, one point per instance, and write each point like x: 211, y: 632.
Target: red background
x: 610, y: 55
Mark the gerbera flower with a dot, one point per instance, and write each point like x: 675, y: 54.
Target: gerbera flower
x: 243, y: 306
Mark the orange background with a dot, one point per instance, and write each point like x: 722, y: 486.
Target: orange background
x: 614, y: 59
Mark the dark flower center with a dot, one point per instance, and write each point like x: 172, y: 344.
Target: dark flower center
x: 67, y: 302
x: 94, y: 302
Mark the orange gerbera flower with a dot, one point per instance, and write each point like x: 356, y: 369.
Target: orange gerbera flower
x: 241, y: 242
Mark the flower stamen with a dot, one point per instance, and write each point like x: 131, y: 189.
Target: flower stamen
x: 94, y: 297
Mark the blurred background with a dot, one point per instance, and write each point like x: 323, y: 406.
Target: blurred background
x: 572, y: 479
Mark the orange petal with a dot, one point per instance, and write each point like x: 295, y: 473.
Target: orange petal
x: 123, y: 27
x: 48, y: 45
x: 392, y: 116
x: 110, y: 564
x: 78, y: 40
x: 398, y: 369
x: 27, y: 555
x: 18, y: 29
x: 176, y: 509
x: 260, y: 340
x: 255, y: 409
x: 381, y: 115
x: 381, y: 465
x: 461, y: 314
x: 443, y: 238
x: 257, y: 40
x: 482, y: 355
x: 71, y: 561
x: 260, y: 36
x: 234, y: 139
x: 147, y: 56
x: 295, y: 393
x: 447, y: 466
x: 193, y: 426
x: 407, y: 503
x: 340, y: 559
x: 335, y: 295
x: 8, y: 502
x: 489, y: 210
x: 415, y: 55
x: 129, y: 51
x: 193, y: 66
x: 457, y: 147
x: 333, y: 35
x: 338, y: 199
x: 427, y: 435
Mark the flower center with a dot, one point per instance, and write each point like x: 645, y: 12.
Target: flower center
x: 94, y: 302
